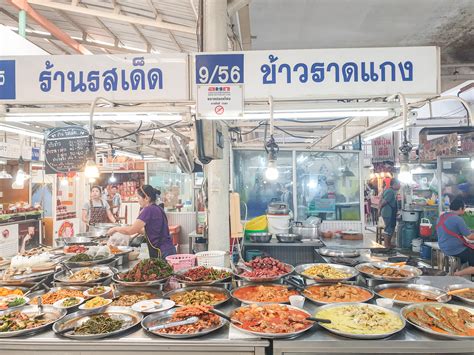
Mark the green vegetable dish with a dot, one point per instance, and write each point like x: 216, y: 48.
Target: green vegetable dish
x: 99, y: 324
x: 84, y: 257
x: 17, y: 320
x: 70, y: 302
x: 147, y: 270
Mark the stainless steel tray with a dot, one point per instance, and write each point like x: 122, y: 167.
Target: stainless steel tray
x: 52, y: 314
x: 130, y: 318
x: 254, y: 285
x: 412, y: 307
x: 460, y: 298
x: 352, y: 272
x: 414, y: 271
x: 361, y: 336
x: 200, y: 288
x: 422, y: 288
x: 81, y: 264
x: 35, y: 294
x: 342, y: 253
x: 26, y: 279
x: 272, y: 335
x: 62, y: 276
x: 162, y: 317
x: 141, y: 283
x: 77, y: 241
x: 267, y: 279
x: 202, y: 283
x: 326, y: 284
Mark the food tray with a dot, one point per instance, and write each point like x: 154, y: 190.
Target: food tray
x: 130, y: 318
x: 361, y: 336
x: 140, y: 283
x: 253, y: 285
x: 201, y: 288
x: 81, y: 264
x: 24, y: 280
x: 35, y: 294
x: 272, y: 335
x: 62, y: 276
x: 423, y: 288
x: 345, y: 269
x: 326, y: 284
x: 51, y: 313
x: 412, y: 307
x: 202, y: 283
x: 460, y: 298
x: 268, y: 279
x: 415, y: 271
x: 161, y: 317
x: 342, y: 253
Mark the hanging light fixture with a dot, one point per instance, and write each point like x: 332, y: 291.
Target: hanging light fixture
x: 21, y: 176
x: 405, y: 175
x: 91, y: 170
x: 112, y: 178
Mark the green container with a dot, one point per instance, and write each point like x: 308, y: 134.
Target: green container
x: 469, y: 219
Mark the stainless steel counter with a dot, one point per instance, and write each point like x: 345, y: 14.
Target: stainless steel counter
x: 408, y: 341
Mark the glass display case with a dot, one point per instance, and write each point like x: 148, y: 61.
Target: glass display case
x: 328, y: 185
x: 455, y: 178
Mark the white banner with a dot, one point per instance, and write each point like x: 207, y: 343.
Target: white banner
x: 220, y: 101
x: 81, y: 78
x: 325, y: 73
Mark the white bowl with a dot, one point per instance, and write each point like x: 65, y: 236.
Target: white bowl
x: 107, y: 290
x: 384, y: 302
x: 161, y: 305
x: 59, y: 304
x: 83, y: 306
x: 297, y: 301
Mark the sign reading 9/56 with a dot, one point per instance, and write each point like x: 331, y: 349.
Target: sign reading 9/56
x: 219, y: 69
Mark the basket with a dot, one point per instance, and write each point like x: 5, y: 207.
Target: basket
x: 211, y: 258
x: 181, y: 261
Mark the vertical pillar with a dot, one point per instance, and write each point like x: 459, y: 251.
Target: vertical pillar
x: 22, y: 23
x: 217, y: 172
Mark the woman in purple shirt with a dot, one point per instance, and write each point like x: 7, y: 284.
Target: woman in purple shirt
x: 153, y: 220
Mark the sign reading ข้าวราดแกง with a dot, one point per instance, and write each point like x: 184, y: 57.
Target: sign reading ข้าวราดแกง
x: 81, y: 79
x: 283, y: 74
x: 66, y: 149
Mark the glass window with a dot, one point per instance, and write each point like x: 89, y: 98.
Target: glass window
x: 327, y: 185
x: 254, y: 189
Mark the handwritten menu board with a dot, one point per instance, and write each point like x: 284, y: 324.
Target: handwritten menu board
x: 66, y: 149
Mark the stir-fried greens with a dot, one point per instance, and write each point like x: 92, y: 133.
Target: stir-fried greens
x: 99, y: 324
x: 147, y: 270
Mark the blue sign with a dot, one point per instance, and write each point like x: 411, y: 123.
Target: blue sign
x: 7, y: 80
x: 35, y: 154
x: 220, y: 69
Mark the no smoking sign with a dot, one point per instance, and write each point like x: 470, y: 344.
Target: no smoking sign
x: 219, y: 110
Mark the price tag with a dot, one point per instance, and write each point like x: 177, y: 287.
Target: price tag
x: 220, y: 69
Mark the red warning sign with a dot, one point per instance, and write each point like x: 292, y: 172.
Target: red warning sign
x: 219, y: 110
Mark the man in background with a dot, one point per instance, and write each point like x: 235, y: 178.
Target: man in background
x: 116, y: 201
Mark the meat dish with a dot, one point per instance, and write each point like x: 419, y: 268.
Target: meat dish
x: 272, y: 319
x: 206, y: 320
x: 202, y: 273
x: 264, y: 294
x: 264, y: 268
x: 337, y: 293
x: 197, y: 298
x: 86, y: 274
x: 407, y: 295
x: 323, y: 271
x: 387, y: 272
x: 469, y: 294
x: 75, y: 249
x: 17, y: 320
x: 147, y: 270
x: 129, y: 300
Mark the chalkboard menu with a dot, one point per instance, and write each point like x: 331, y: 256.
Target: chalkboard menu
x: 66, y: 149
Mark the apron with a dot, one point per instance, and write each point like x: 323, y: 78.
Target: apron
x: 442, y: 224
x: 98, y: 214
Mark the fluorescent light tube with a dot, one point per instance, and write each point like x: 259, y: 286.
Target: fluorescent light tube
x: 316, y: 114
x: 16, y: 130
x: 81, y: 117
x: 127, y: 154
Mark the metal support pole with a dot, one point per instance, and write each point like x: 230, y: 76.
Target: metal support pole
x: 22, y: 23
x: 217, y: 172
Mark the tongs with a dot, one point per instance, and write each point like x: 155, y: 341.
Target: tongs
x: 36, y: 285
x: 187, y: 321
x: 67, y: 268
x: 225, y: 316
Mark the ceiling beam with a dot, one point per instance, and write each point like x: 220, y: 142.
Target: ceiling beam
x: 159, y: 18
x: 75, y: 24
x: 112, y: 16
x: 49, y: 26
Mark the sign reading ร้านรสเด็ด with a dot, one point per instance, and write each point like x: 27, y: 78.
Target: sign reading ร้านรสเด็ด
x: 82, y: 78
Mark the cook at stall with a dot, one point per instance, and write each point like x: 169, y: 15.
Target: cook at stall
x: 453, y: 234
x: 97, y: 210
x: 388, y: 211
x: 153, y: 221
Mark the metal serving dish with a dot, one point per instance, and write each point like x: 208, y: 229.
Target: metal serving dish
x: 81, y: 264
x: 422, y: 288
x: 155, y: 283
x: 162, y: 317
x: 35, y: 294
x: 52, y: 314
x: 180, y: 273
x: 267, y: 279
x: 63, y: 276
x: 75, y: 241
x: 289, y: 237
x: 127, y: 315
x: 254, y: 285
x: 414, y: 271
x: 212, y: 289
x: 412, y: 307
x: 327, y: 284
x: 460, y: 298
x: 361, y: 336
x: 342, y: 253
x: 352, y: 272
x: 25, y: 279
x: 272, y: 335
x: 260, y: 237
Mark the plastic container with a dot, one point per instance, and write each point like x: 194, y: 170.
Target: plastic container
x: 416, y: 245
x: 181, y: 261
x: 174, y: 233
x: 384, y: 302
x: 297, y: 301
x: 426, y: 228
x: 278, y: 224
x: 425, y: 252
x: 211, y: 258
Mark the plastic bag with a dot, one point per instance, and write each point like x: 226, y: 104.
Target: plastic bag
x: 381, y: 222
x: 118, y: 239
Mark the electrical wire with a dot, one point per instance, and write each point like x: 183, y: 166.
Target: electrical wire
x: 138, y: 130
